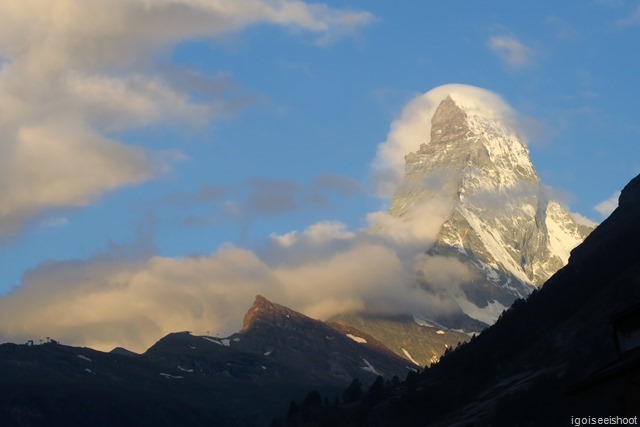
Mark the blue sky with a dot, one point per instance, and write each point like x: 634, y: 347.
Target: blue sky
x: 176, y: 127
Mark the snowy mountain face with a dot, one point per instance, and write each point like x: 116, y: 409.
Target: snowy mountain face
x: 500, y: 224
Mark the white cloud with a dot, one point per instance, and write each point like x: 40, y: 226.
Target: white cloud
x: 62, y: 164
x: 326, y: 231
x: 511, y: 51
x: 418, y: 229
x: 116, y: 103
x: 316, y: 234
x: 73, y: 72
x: 285, y: 240
x: 443, y: 274
x: 413, y: 128
x: 583, y: 220
x: 606, y: 207
x: 103, y: 302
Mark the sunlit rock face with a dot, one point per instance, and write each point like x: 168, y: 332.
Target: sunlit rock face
x: 501, y: 223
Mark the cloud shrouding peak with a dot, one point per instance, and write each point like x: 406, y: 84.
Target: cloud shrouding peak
x: 413, y: 128
x: 511, y: 51
x: 74, y: 72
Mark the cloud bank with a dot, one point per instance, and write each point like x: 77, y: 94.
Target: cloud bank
x: 75, y: 73
x: 112, y: 300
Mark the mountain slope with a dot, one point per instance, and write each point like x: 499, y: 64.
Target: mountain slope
x: 422, y: 343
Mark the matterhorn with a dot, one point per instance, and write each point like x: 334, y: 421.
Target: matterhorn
x: 499, y: 225
x: 502, y: 223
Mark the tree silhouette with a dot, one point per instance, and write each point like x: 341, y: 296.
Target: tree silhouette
x: 293, y: 410
x: 353, y: 392
x: 313, y: 398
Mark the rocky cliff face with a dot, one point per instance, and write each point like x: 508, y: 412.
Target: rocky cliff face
x: 501, y: 223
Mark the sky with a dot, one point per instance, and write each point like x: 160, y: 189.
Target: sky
x: 163, y: 161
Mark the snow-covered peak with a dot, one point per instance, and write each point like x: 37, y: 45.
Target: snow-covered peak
x: 508, y: 156
x: 500, y: 222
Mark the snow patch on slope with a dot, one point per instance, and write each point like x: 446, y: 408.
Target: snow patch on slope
x: 169, y: 376
x: 426, y: 322
x: 406, y: 353
x: 563, y: 236
x: 488, y: 314
x: 357, y: 339
x: 494, y: 244
x: 224, y: 342
x: 369, y: 367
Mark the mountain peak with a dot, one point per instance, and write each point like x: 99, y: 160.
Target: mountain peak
x: 261, y: 301
x: 264, y: 311
x: 312, y: 348
x: 449, y: 122
x: 500, y: 222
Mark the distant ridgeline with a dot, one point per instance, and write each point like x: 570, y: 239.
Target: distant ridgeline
x: 241, y: 380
